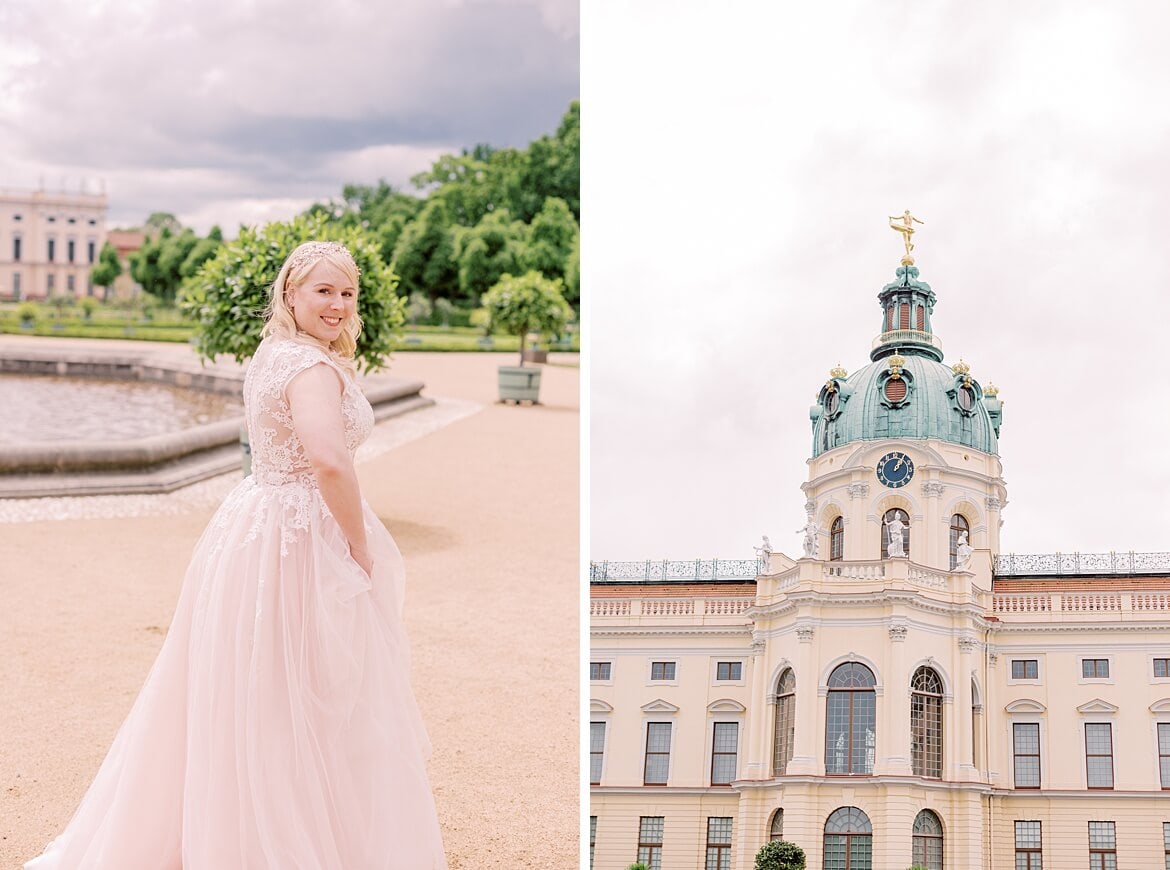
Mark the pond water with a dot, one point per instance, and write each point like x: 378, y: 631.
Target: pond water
x: 47, y: 408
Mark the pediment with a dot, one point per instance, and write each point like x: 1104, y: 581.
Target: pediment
x: 1097, y: 705
x: 659, y: 706
x: 1025, y: 705
x: 1160, y: 706
x: 596, y: 705
x: 726, y: 705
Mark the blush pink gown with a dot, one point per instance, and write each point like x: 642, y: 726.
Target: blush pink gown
x: 277, y: 729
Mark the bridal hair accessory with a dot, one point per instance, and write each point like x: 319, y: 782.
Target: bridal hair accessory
x: 310, y: 252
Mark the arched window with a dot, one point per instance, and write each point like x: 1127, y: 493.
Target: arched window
x: 926, y: 691
x: 959, y: 524
x: 904, y: 519
x: 837, y: 540
x: 785, y: 732
x: 848, y: 840
x: 850, y: 721
x: 928, y: 841
x: 776, y: 829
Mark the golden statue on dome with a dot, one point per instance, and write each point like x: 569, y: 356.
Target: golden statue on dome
x: 905, y: 226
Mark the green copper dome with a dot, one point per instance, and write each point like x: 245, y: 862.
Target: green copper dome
x: 906, y: 391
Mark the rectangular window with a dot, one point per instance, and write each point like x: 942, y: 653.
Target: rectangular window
x: 662, y: 670
x: 599, y: 670
x: 729, y: 671
x: 1026, y: 746
x: 52, y: 249
x: 1162, y: 667
x: 592, y: 838
x: 1029, y: 849
x: 1166, y: 842
x: 904, y: 316
x: 91, y: 250
x: 657, y: 753
x: 16, y: 284
x: 596, y: 751
x: 718, y: 843
x: 724, y: 749
x: 1164, y: 753
x: 69, y: 284
x: 71, y: 250
x: 16, y: 249
x: 1095, y: 669
x: 1025, y: 669
x: 1102, y: 846
x: 50, y: 284
x: 1099, y: 754
x: 650, y: 842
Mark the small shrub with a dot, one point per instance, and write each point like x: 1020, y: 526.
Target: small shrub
x: 28, y: 313
x: 88, y: 306
x: 530, y: 303
x: 780, y: 855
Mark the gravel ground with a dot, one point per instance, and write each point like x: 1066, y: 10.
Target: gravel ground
x: 483, y: 501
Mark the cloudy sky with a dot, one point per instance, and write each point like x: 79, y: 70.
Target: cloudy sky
x: 230, y: 111
x: 740, y: 164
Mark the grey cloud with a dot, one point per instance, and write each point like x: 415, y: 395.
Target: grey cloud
x: 273, y: 93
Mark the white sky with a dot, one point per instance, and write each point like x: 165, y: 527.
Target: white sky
x: 242, y: 111
x: 740, y: 161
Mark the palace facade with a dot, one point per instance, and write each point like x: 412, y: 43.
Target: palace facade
x: 49, y: 242
x: 902, y: 694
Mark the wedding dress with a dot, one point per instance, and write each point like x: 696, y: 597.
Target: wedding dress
x: 277, y: 729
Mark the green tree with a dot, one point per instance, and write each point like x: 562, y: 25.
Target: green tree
x: 144, y: 266
x: 107, y: 269
x: 424, y: 255
x: 529, y: 303
x: 201, y: 252
x: 489, y: 250
x: 551, y: 239
x: 553, y: 168
x: 160, y: 222
x: 228, y: 295
x: 780, y: 855
x: 464, y: 183
x: 573, y: 273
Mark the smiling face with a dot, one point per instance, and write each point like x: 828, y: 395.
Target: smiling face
x: 323, y: 302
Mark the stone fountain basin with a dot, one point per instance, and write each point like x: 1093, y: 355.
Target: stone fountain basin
x: 156, y: 463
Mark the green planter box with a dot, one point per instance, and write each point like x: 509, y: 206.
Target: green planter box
x: 519, y: 384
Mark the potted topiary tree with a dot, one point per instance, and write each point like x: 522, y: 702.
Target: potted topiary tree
x: 780, y: 855
x: 518, y: 306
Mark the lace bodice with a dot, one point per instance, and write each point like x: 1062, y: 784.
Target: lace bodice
x: 277, y: 454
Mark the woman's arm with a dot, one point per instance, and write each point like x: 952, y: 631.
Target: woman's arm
x: 314, y: 397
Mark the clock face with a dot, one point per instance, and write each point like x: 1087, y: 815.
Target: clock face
x: 895, y: 469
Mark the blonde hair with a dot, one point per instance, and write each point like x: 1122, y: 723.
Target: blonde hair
x: 278, y: 317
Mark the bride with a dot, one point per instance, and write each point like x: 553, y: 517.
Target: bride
x: 277, y: 729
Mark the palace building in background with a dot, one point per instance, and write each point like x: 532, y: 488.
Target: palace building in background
x: 49, y: 242
x: 903, y: 694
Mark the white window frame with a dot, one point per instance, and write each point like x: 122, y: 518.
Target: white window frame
x: 658, y: 719
x: 1082, y: 680
x: 612, y: 667
x: 723, y: 719
x: 650, y: 681
x: 1039, y: 659
x: 716, y: 661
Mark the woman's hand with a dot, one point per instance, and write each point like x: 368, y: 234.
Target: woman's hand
x: 363, y: 558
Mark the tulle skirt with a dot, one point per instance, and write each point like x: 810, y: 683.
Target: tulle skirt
x: 277, y: 729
